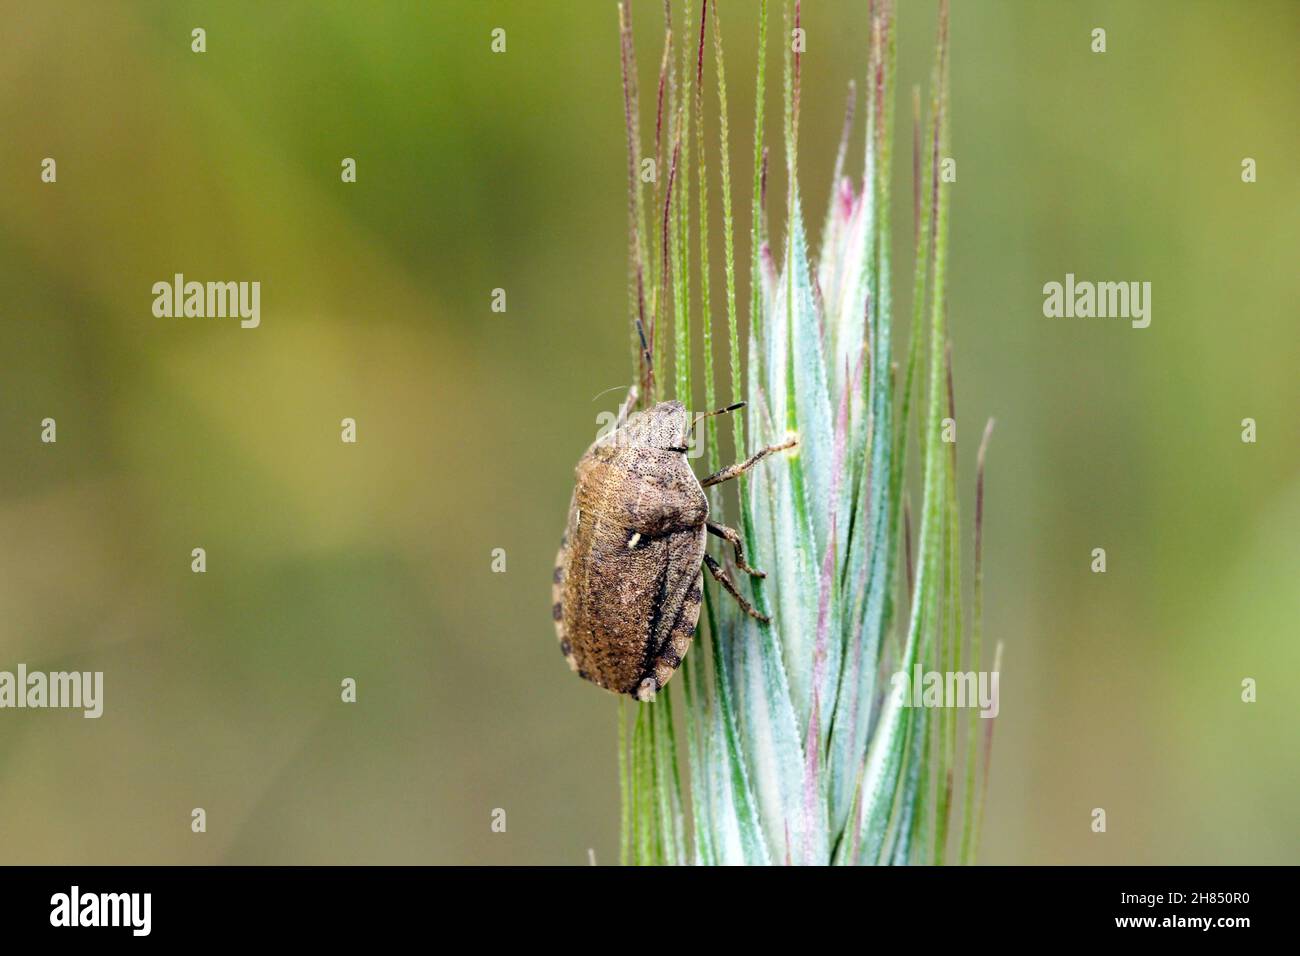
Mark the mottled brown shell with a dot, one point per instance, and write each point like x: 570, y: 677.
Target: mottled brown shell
x: 627, y: 584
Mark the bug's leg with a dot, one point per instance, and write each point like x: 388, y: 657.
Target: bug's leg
x: 738, y: 469
x: 725, y: 580
x: 626, y: 408
x: 731, y: 535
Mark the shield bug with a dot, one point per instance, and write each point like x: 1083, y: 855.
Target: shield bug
x: 627, y: 584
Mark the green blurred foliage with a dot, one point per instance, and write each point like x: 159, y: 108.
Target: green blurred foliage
x: 479, y: 171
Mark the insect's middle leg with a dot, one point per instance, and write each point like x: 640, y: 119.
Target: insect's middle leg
x: 738, y: 469
x: 731, y: 535
x: 725, y: 580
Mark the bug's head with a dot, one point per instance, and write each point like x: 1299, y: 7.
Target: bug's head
x: 666, y: 426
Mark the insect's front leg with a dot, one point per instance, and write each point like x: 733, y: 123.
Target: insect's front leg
x: 738, y: 469
x: 733, y: 536
x: 725, y: 580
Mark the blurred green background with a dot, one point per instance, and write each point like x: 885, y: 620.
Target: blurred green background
x: 373, y: 561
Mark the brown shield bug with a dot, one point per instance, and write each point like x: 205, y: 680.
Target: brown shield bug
x: 627, y: 584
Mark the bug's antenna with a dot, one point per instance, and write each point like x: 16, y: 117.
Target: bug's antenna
x: 647, y: 359
x: 703, y: 415
x: 721, y: 411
